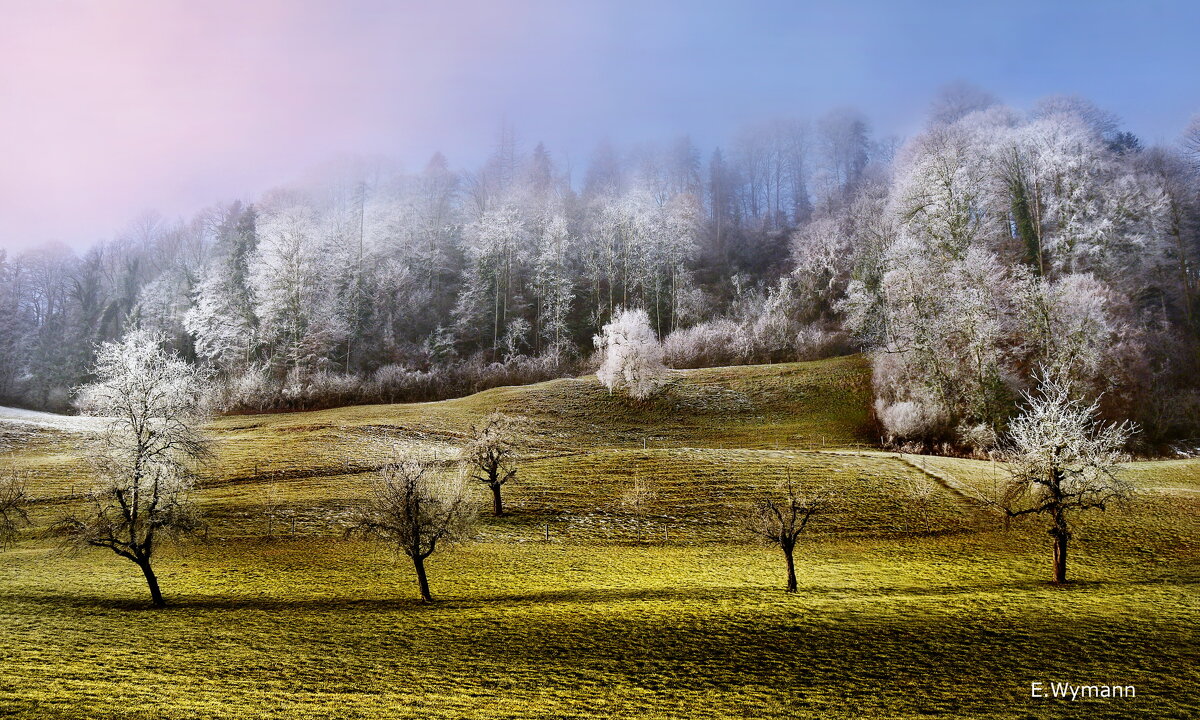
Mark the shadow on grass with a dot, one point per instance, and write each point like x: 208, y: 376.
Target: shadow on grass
x: 1026, y: 584
x: 806, y: 658
x: 93, y: 601
x: 571, y: 596
x: 175, y: 604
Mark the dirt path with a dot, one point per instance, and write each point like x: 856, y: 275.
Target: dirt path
x: 945, y: 480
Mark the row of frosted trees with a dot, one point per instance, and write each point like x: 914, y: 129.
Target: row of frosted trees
x: 992, y: 243
x: 368, y: 266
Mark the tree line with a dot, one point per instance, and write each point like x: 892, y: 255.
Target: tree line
x: 992, y: 245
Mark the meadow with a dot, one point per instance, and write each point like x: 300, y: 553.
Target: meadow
x: 915, y: 600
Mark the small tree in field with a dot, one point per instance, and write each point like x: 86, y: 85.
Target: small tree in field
x: 145, y: 458
x: 12, y: 505
x: 632, y: 358
x: 416, y: 508
x: 1062, y: 460
x: 491, y: 453
x: 780, y: 519
x: 637, y: 500
x: 272, y: 507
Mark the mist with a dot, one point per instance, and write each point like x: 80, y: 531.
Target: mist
x: 111, y: 111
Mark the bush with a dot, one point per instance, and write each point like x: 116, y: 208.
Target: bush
x: 705, y: 345
x: 258, y: 390
x: 815, y: 342
x: 910, y: 419
x: 771, y: 338
x: 631, y: 356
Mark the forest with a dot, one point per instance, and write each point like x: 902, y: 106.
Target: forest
x: 995, y: 246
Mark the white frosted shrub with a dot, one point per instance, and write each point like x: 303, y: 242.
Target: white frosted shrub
x: 631, y: 356
x: 910, y: 419
x: 814, y: 342
x: 709, y: 343
x: 981, y: 437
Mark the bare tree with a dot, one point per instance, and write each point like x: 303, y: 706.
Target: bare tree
x: 272, y: 507
x: 1062, y: 460
x: 145, y: 459
x: 916, y: 499
x: 12, y: 505
x: 637, y: 499
x: 491, y: 453
x: 416, y: 508
x: 780, y: 520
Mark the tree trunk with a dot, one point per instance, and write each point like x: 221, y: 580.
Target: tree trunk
x: 791, y: 569
x: 422, y: 581
x: 1060, y: 555
x: 497, y: 501
x: 496, y: 321
x: 155, y: 594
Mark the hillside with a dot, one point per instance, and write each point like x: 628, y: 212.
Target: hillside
x: 780, y: 407
x: 915, y: 599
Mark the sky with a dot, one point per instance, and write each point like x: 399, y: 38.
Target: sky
x: 111, y: 109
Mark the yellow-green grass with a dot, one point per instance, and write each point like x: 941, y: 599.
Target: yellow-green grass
x: 905, y: 609
x: 794, y: 405
x: 954, y: 625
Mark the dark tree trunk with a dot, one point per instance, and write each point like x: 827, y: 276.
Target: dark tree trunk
x: 791, y: 569
x: 422, y: 581
x: 497, y: 501
x: 1060, y: 555
x: 1061, y: 534
x: 155, y: 594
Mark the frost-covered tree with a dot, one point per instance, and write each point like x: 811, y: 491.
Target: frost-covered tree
x: 1010, y: 243
x: 1062, y: 460
x: 221, y: 318
x: 1076, y: 206
x: 554, y: 285
x: 1073, y: 330
x: 223, y: 335
x: 491, y: 453
x: 943, y: 355
x: 630, y: 243
x: 496, y: 251
x: 1191, y: 140
x: 675, y: 232
x: 631, y: 356
x: 162, y: 307
x: 823, y: 256
x: 16, y: 325
x: 146, y: 458
x: 942, y: 198
x: 290, y: 272
x: 417, y: 507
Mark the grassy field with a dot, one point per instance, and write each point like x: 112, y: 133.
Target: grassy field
x: 914, y: 601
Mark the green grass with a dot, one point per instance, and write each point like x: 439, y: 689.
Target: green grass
x: 901, y: 612
x: 328, y: 628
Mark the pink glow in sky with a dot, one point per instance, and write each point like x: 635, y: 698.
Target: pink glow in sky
x: 112, y: 108
x: 109, y: 109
